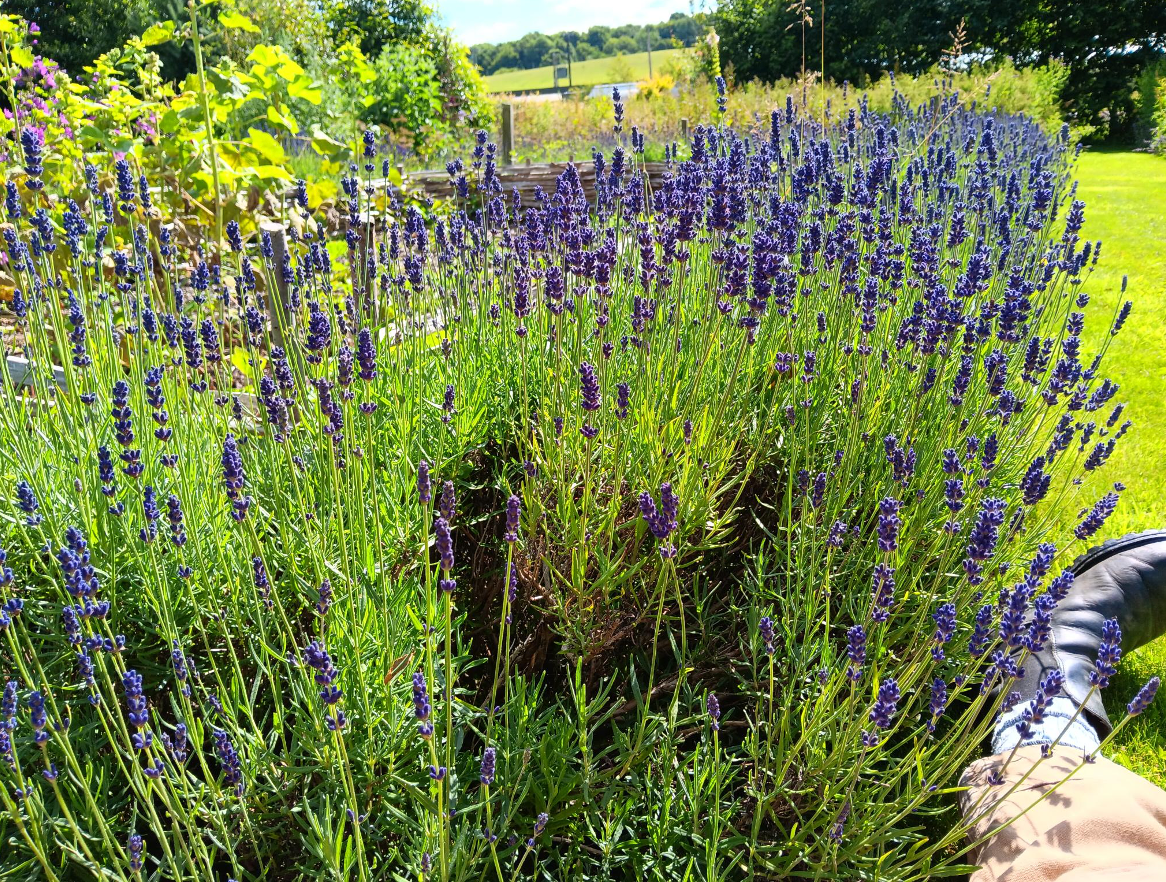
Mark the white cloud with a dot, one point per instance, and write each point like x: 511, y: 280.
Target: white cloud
x: 491, y: 21
x: 487, y: 31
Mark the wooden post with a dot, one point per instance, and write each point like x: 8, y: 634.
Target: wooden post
x: 507, y: 144
x: 684, y: 127
x: 277, y: 299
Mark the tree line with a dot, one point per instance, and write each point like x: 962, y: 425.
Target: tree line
x: 539, y: 50
x: 1104, y: 44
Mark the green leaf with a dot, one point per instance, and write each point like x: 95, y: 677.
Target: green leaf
x: 277, y: 117
x: 303, y: 87
x: 240, y: 359
x: 325, y: 144
x: 232, y: 19
x: 273, y: 173
x: 268, y: 56
x: 21, y: 56
x: 267, y: 146
x: 227, y: 86
x: 90, y: 135
x: 162, y: 32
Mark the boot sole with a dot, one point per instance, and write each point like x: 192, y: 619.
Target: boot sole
x: 1109, y: 548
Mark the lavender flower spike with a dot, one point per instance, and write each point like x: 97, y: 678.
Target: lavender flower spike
x: 1144, y: 698
x: 513, y: 511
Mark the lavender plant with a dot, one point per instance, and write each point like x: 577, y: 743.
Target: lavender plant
x: 829, y: 378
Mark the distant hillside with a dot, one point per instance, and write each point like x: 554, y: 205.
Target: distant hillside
x: 620, y: 68
x: 535, y: 50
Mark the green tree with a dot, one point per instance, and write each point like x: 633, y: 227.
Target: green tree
x: 1104, y: 44
x: 75, y: 32
x: 375, y: 24
x: 531, y: 48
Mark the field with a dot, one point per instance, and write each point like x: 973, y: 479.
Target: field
x: 587, y: 73
x: 1125, y: 195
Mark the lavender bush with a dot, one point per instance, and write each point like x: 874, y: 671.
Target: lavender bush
x: 683, y: 531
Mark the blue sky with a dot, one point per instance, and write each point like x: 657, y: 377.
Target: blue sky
x: 492, y: 21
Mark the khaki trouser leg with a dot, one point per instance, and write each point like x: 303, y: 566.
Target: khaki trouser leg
x: 1105, y: 823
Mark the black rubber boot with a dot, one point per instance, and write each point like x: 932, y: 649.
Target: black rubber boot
x: 1123, y: 578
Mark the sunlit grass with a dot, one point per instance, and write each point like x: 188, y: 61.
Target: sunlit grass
x: 586, y: 73
x: 1125, y: 195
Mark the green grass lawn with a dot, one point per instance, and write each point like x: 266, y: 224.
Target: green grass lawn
x: 616, y: 69
x: 1125, y: 207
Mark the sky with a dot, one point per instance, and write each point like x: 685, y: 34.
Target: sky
x: 493, y: 21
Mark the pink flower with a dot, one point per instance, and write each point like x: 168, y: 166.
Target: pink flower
x: 33, y: 27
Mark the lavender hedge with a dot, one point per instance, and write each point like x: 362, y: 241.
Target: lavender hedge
x: 684, y: 531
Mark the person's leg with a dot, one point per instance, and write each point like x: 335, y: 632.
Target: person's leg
x: 1105, y: 822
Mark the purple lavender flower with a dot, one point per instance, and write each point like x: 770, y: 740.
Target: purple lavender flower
x: 589, y: 384
x: 183, y: 669
x: 1145, y: 697
x: 513, y: 510
x: 765, y: 629
x: 27, y: 502
x: 447, y: 408
x: 444, y: 543
x: 262, y: 582
x: 1034, y: 714
x: 486, y: 773
x: 944, y: 618
x: 317, y: 658
x: 856, y: 651
x: 234, y: 479
x: 938, y: 703
x: 136, y: 709
x: 210, y: 341
x: 229, y: 759
x: 837, y: 534
x: 982, y: 633
x: 424, y: 487
x: 135, y: 845
x: 714, y: 711
x: 366, y: 355
x: 319, y: 332
x: 622, y: 400
x: 984, y: 536
x: 234, y: 237
x: 889, y: 523
x: 662, y: 522
x: 1035, y: 483
x: 421, y: 708
x: 448, y: 504
x: 38, y: 718
x: 1097, y: 516
x: 885, y: 704
x: 175, y: 517
x: 883, y: 592
x: 324, y: 598
x: 818, y: 491
x: 1108, y: 654
x: 32, y: 143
